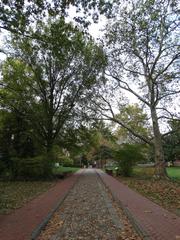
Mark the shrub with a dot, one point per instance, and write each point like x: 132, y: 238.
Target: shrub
x: 127, y: 156
x: 67, y: 162
x: 55, y: 153
x: 31, y: 168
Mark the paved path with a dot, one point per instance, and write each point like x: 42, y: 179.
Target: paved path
x: 87, y: 213
x: 20, y: 224
x: 155, y: 220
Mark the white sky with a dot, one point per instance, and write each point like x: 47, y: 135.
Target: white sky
x: 2, y: 36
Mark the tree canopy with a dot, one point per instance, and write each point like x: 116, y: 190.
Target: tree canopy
x: 50, y: 77
x: 18, y: 16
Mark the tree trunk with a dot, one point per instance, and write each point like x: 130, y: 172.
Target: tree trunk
x: 49, y: 145
x: 49, y: 157
x: 160, y: 169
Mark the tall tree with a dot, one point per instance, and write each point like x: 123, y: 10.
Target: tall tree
x: 143, y: 50
x: 45, y: 80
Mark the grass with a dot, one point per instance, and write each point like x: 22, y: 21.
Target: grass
x: 174, y: 172
x: 14, y: 194
x: 148, y: 172
x: 62, y: 169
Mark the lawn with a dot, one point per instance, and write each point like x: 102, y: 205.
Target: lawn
x: 173, y: 172
x: 62, y: 169
x: 14, y: 194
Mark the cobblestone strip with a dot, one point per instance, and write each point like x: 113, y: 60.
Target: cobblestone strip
x: 67, y: 218
x: 110, y: 207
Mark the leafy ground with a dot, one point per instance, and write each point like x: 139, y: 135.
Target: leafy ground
x: 163, y: 192
x: 14, y: 194
x: 143, y: 172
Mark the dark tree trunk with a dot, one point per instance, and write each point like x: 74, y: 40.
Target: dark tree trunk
x: 49, y: 157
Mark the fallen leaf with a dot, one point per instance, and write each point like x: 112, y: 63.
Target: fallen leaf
x: 148, y: 211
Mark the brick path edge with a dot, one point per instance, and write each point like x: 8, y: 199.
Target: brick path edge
x: 137, y: 226
x: 37, y: 231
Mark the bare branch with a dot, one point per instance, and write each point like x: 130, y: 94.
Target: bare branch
x: 127, y: 88
x: 167, y: 66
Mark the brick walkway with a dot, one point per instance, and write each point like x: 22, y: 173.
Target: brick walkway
x: 158, y: 223
x: 20, y: 224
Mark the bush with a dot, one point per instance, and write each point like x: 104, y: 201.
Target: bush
x: 31, y: 168
x: 57, y: 155
x: 127, y: 156
x: 67, y: 162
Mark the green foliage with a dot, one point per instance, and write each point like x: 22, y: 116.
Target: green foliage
x: 142, y: 45
x: 15, y: 138
x: 55, y: 154
x: 127, y: 156
x: 31, y: 168
x: 172, y: 142
x: 58, y: 155
x: 134, y: 118
x: 104, y: 152
x: 17, y: 16
x: 47, y: 79
x: 83, y: 141
x: 67, y: 161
